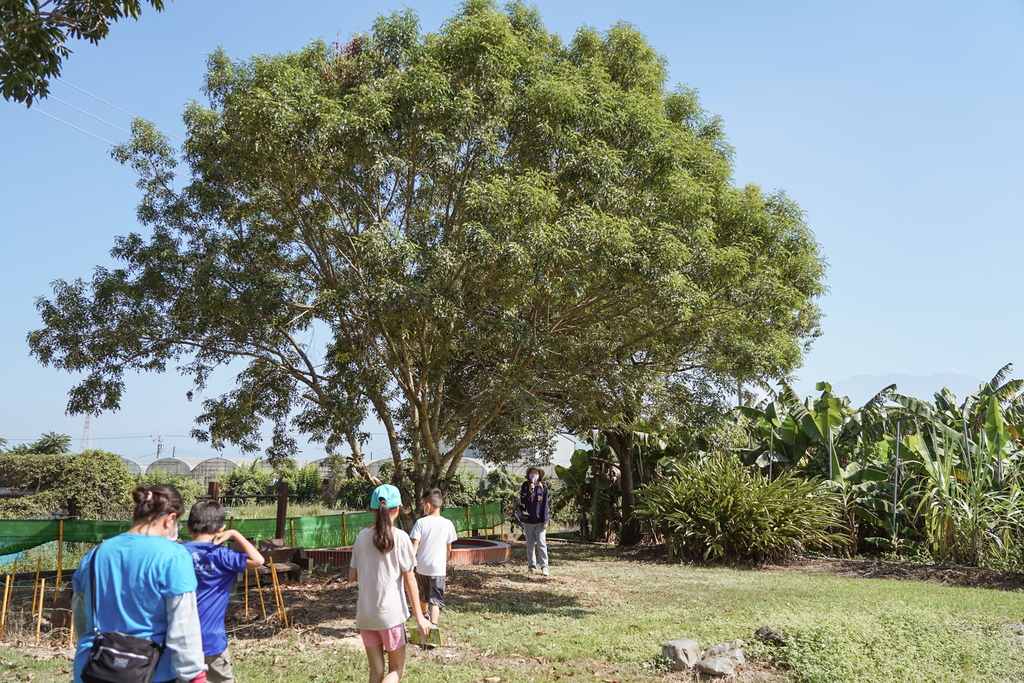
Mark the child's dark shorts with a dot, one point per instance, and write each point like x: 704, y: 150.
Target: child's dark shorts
x: 431, y: 589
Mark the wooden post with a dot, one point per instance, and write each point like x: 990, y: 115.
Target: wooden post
x: 231, y: 524
x: 469, y: 532
x: 35, y: 583
x: 247, y: 593
x: 39, y: 620
x: 291, y: 523
x: 213, y: 490
x: 344, y: 530
x: 60, y: 553
x: 282, y: 508
x: 3, y: 605
x: 259, y: 590
x: 487, y: 532
x: 71, y: 633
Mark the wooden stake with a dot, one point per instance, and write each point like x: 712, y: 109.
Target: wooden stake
x: 231, y: 524
x: 273, y: 579
x: 469, y: 531
x: 60, y: 553
x: 247, y: 593
x: 3, y: 605
x: 35, y: 583
x: 344, y: 530
x: 259, y: 591
x: 71, y: 632
x: 280, y: 595
x: 39, y: 620
x: 14, y: 569
x: 291, y: 523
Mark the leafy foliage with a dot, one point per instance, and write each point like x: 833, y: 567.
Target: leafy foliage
x: 487, y: 227
x: 716, y: 509
x: 88, y: 485
x: 305, y: 482
x: 251, y: 480
x: 589, y: 485
x: 34, y: 38
x: 50, y: 443
x: 189, y: 488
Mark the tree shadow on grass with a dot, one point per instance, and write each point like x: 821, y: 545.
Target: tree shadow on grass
x: 509, y: 593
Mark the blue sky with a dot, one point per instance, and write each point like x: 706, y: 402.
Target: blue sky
x: 895, y: 126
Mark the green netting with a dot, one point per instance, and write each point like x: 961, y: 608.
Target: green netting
x: 18, y: 535
x: 326, y: 531
x: 332, y: 531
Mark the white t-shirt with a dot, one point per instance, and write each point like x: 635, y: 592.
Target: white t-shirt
x: 434, y: 534
x: 381, y: 603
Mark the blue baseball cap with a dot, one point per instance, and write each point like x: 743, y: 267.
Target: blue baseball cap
x: 388, y: 493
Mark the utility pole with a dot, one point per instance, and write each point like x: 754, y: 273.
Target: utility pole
x: 87, y: 434
x: 159, y: 445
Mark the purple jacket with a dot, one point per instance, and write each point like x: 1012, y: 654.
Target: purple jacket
x: 535, y: 503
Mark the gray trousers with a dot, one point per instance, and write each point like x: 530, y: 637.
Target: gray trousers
x: 536, y: 535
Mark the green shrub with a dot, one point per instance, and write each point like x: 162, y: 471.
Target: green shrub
x: 247, y: 480
x: 718, y: 510
x: 305, y: 483
x: 354, y: 493
x: 190, y: 489
x: 89, y: 485
x: 460, y: 490
x: 501, y: 486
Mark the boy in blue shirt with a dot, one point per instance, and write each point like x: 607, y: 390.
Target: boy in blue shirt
x: 216, y: 568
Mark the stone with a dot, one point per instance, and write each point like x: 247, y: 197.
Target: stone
x: 737, y: 656
x: 770, y: 635
x: 682, y: 652
x: 739, y: 642
x: 716, y: 650
x: 716, y: 666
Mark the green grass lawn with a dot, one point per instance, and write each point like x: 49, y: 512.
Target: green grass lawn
x: 601, y: 617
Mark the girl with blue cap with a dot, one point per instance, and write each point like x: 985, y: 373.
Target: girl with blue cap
x: 382, y: 561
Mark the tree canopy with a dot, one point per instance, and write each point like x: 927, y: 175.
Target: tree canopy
x: 34, y: 35
x: 467, y: 232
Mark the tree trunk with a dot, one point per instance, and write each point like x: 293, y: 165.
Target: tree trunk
x: 621, y: 441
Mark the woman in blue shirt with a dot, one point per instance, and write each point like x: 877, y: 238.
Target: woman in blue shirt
x: 145, y: 587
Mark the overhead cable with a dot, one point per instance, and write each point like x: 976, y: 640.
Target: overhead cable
x: 115, y: 107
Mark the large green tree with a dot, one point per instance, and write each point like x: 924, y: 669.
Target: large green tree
x: 34, y: 36
x: 463, y: 232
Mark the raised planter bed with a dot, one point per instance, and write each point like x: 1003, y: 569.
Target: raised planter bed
x: 465, y: 551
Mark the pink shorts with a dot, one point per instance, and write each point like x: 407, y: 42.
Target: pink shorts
x: 391, y: 638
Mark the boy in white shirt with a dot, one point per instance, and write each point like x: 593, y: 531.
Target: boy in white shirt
x: 432, y: 536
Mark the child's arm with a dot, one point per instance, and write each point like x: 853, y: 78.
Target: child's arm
x: 413, y: 589
x: 415, y: 544
x: 255, y: 558
x: 448, y: 557
x: 352, y: 576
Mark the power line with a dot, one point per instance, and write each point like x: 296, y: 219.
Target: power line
x: 115, y: 107
x: 112, y: 144
x: 187, y: 177
x: 55, y: 99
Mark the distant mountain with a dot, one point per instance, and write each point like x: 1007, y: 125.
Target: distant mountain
x: 861, y: 388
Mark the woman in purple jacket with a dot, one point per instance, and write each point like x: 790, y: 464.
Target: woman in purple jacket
x: 534, y: 497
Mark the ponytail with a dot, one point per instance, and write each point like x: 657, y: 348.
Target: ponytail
x: 383, y: 539
x: 154, y: 501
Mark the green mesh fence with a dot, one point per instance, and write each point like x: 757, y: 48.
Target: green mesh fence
x: 326, y: 531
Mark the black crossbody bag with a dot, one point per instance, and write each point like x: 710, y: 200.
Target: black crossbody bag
x: 118, y: 657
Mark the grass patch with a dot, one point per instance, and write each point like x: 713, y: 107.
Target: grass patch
x: 603, y: 617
